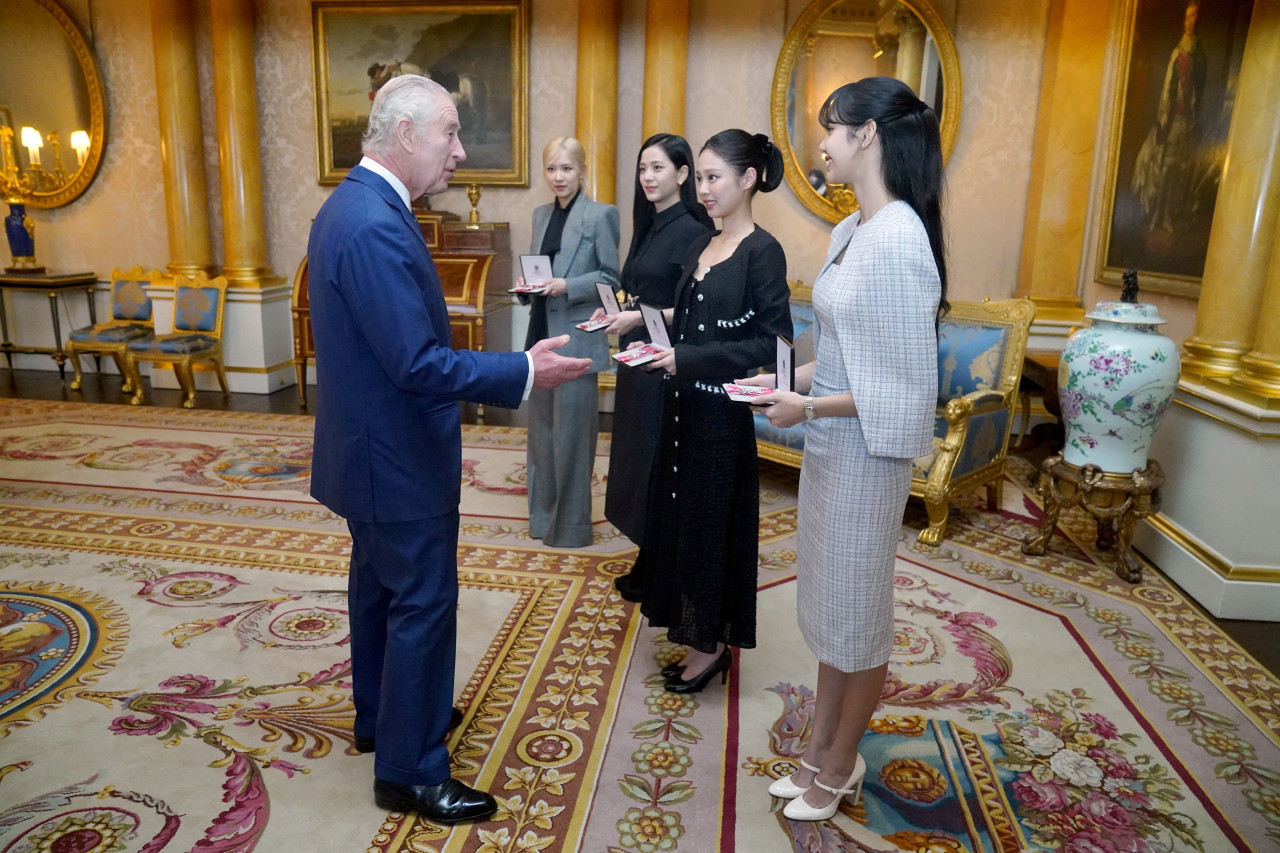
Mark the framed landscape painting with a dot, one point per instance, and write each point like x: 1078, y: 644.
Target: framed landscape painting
x: 1174, y: 94
x: 478, y: 50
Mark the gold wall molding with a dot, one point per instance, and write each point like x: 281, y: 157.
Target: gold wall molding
x: 1200, y: 402
x: 263, y: 370
x: 1184, y: 540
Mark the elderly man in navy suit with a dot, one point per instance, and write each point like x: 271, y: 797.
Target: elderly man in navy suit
x: 388, y: 440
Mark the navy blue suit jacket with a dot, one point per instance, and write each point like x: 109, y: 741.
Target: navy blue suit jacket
x: 388, y: 441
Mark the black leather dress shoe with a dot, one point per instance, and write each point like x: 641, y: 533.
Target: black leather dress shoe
x: 449, y: 802
x: 368, y: 744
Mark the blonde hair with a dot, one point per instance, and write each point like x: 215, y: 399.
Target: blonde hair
x: 574, y: 149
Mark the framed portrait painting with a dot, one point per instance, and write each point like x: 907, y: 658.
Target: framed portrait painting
x: 477, y: 49
x: 1174, y: 94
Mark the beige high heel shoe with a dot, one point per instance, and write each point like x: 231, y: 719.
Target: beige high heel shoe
x: 787, y: 789
x: 798, y: 809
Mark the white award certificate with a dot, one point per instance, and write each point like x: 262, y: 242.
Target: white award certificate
x: 786, y: 365
x: 656, y: 325
x: 609, y: 300
x: 657, y: 331
x: 536, y: 270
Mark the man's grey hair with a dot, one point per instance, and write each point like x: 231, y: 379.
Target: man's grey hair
x: 410, y: 96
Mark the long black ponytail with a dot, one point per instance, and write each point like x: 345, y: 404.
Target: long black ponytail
x: 912, y: 151
x: 743, y: 151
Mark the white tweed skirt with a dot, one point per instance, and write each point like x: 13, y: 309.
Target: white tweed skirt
x: 850, y: 522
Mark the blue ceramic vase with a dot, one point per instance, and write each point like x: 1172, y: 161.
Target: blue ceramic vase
x: 22, y: 244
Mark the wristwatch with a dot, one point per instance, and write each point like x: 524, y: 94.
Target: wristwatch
x: 809, y: 413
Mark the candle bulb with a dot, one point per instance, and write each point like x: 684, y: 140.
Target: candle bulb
x: 33, y: 143
x: 80, y: 142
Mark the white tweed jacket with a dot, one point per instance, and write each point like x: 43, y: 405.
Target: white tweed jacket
x: 884, y: 305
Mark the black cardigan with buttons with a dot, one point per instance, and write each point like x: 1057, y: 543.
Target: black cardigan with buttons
x: 726, y: 325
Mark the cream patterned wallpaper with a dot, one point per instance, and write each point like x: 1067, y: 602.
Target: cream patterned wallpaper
x: 733, y: 46
x: 119, y: 221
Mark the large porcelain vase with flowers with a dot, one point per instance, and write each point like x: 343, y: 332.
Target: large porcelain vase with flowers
x: 1116, y: 379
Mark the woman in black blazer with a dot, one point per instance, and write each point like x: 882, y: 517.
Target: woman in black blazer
x: 667, y: 219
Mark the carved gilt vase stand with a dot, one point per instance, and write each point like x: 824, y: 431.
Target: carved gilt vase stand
x: 1115, y: 501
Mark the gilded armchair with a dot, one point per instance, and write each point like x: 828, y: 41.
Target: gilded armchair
x: 980, y: 352
x: 198, y: 309
x: 131, y: 320
x: 304, y: 346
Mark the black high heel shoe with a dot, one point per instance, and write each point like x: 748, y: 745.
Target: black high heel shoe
x: 676, y: 684
x: 671, y: 670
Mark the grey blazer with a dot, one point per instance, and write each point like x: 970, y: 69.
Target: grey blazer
x: 588, y: 254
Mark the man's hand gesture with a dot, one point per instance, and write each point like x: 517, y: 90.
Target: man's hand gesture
x: 551, y: 370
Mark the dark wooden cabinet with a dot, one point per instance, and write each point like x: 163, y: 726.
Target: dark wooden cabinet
x: 474, y: 263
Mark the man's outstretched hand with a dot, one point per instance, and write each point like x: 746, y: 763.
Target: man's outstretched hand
x: 551, y: 370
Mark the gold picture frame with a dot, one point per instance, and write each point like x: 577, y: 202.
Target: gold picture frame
x: 837, y: 201
x: 1171, y: 108
x: 478, y: 49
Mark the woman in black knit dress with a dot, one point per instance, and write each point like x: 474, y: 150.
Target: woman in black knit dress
x: 731, y: 303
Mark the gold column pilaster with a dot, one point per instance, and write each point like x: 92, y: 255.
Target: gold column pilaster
x: 1062, y: 159
x: 910, y: 48
x: 666, y: 48
x: 1245, y: 218
x: 1258, y: 380
x: 239, y: 159
x: 597, y: 113
x: 173, y: 41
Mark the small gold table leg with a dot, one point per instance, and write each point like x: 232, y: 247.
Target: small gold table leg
x: 1116, y: 502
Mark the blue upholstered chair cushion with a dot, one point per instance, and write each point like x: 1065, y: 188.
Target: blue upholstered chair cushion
x: 111, y: 333
x: 195, y: 309
x: 981, y: 444
x: 969, y: 359
x: 791, y: 438
x: 176, y: 344
x: 802, y: 328
x: 129, y: 301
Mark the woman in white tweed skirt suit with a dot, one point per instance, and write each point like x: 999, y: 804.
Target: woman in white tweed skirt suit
x: 870, y: 395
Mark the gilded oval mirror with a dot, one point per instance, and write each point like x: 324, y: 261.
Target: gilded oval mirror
x: 52, y: 114
x: 834, y: 42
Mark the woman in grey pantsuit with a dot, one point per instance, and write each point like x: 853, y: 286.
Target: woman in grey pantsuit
x: 581, y: 236
x: 869, y: 396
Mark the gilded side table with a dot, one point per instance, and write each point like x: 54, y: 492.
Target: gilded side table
x: 1115, y: 501
x: 51, y: 285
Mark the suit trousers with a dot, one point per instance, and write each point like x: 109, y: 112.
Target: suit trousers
x: 403, y: 599
x: 564, y: 423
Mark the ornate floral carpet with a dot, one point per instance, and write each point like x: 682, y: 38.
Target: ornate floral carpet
x: 174, y: 675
